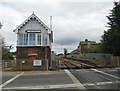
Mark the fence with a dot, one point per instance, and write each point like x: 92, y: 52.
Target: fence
x: 26, y: 64
x: 8, y: 64
x: 105, y: 58
x: 98, y: 56
x: 54, y: 62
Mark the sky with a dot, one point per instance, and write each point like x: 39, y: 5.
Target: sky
x: 72, y: 20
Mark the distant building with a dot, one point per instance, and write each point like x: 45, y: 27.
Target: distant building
x: 60, y: 55
x: 34, y: 40
x: 85, y: 44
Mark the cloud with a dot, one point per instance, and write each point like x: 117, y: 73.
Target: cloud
x: 72, y: 21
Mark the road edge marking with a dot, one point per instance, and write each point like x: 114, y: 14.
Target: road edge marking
x: 56, y: 86
x: 44, y: 87
x: 10, y: 80
x: 75, y: 80
x: 105, y: 73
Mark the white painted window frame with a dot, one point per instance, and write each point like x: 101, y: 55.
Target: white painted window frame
x: 48, y: 40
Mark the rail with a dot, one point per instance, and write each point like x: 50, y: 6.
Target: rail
x: 75, y: 64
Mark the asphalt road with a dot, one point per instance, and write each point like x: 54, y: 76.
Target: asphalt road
x: 98, y: 79
x: 66, y: 80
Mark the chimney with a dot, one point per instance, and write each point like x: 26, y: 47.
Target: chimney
x: 86, y: 40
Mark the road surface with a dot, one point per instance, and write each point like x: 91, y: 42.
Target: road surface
x: 67, y: 80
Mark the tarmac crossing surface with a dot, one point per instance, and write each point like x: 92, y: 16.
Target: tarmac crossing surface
x: 67, y: 80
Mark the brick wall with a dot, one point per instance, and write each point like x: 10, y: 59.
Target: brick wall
x: 29, y: 54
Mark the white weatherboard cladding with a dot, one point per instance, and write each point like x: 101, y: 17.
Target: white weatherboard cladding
x: 33, y: 25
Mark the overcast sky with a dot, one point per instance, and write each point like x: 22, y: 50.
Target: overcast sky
x: 73, y: 20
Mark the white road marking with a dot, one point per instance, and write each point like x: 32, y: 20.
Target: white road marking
x: 99, y: 83
x: 85, y: 70
x: 58, y: 86
x: 106, y: 73
x: 7, y: 82
x: 88, y: 84
x: 104, y: 77
x: 45, y: 86
x: 113, y: 70
x: 75, y: 80
x: 103, y: 83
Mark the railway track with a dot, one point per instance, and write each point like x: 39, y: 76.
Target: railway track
x: 67, y: 65
x: 75, y: 64
x: 83, y: 61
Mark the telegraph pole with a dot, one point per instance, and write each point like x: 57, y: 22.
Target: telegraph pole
x: 1, y: 48
x: 0, y: 35
x: 51, y: 23
x: 1, y: 25
x: 51, y: 40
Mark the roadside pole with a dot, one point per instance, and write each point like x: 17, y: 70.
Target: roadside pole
x: 47, y: 63
x: 118, y: 63
x: 1, y: 66
x: 1, y: 47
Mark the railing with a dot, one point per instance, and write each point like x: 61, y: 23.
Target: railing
x: 6, y: 64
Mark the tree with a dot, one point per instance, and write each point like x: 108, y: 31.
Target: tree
x: 93, y: 49
x: 111, y: 38
x: 5, y: 50
x: 6, y: 54
x: 65, y: 52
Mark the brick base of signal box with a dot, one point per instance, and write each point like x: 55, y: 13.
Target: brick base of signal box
x: 27, y: 55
